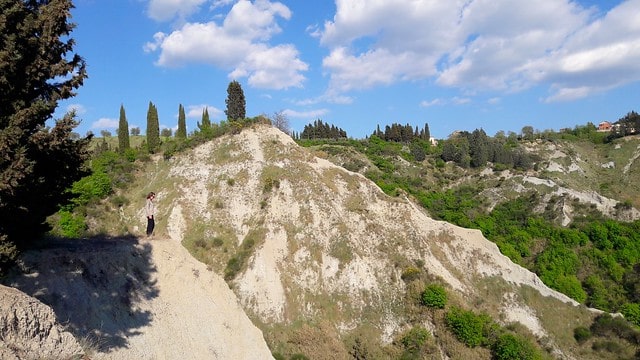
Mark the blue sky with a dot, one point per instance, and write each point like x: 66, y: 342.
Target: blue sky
x: 356, y: 64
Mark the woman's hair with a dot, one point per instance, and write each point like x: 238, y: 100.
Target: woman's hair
x: 150, y: 195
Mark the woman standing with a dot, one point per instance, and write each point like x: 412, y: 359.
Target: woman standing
x: 150, y: 209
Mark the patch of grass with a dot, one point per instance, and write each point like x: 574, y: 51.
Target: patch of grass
x: 239, y: 260
x: 341, y: 250
x: 270, y: 178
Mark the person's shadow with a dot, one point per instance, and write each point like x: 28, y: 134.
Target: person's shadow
x: 93, y: 285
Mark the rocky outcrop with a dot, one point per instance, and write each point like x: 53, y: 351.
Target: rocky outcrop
x: 29, y: 330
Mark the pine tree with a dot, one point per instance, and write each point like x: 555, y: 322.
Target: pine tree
x: 235, y: 102
x: 181, y: 132
x: 37, y: 164
x: 123, y: 132
x: 153, y: 129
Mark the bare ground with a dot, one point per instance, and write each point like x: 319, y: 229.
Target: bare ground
x: 139, y: 299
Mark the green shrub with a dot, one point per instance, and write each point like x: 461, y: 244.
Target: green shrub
x: 581, y: 334
x: 606, y: 325
x: 217, y: 242
x: 434, y: 296
x: 233, y: 267
x: 631, y: 312
x: 467, y: 326
x: 130, y: 154
x: 414, y: 341
x: 94, y: 186
x: 71, y: 225
x: 119, y: 201
x: 606, y: 345
x: 270, y: 183
x: 410, y: 273
x: 298, y: 356
x: 512, y: 347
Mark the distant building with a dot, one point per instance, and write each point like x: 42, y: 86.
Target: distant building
x: 605, y: 126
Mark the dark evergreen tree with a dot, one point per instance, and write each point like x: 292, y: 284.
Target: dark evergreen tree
x: 181, y: 132
x: 479, y: 148
x: 37, y: 164
x: 235, y: 102
x: 320, y: 130
x: 426, y: 134
x: 123, y: 132
x: 153, y: 129
x: 206, y: 123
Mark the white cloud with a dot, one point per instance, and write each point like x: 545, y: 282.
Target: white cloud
x: 483, y: 45
x: 429, y: 103
x: 195, y: 111
x: 274, y: 68
x: 163, y: 10
x: 454, y: 100
x: 78, y: 108
x: 310, y: 114
x: 240, y: 45
x: 105, y: 123
x: 221, y: 3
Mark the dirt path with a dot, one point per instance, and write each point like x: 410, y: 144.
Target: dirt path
x: 139, y: 299
x: 194, y: 316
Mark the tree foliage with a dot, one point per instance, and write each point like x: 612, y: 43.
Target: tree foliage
x: 123, y: 132
x: 181, y: 132
x: 153, y: 128
x: 205, y: 124
x: 37, y: 163
x: 434, y: 296
x: 402, y: 133
x: 236, y: 104
x: 320, y: 130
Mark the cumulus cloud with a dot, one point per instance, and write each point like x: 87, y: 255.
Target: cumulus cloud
x: 490, y: 45
x: 309, y: 114
x: 78, y: 108
x: 439, y: 101
x: 105, y: 123
x: 162, y: 10
x: 240, y: 44
x: 195, y: 111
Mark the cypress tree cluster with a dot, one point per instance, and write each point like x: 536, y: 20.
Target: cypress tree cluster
x: 206, y: 123
x: 321, y: 130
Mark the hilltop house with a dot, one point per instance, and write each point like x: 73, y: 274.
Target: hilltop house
x: 605, y: 126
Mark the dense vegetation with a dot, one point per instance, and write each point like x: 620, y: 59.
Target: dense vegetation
x: 594, y: 260
x: 37, y: 165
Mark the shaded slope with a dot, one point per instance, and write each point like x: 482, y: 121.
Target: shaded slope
x: 141, y: 300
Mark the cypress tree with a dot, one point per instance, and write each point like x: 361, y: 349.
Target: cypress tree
x: 206, y: 123
x: 181, y: 132
x: 123, y: 132
x: 153, y: 129
x: 235, y: 102
x: 426, y: 132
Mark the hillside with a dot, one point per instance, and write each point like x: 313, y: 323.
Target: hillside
x: 321, y: 260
